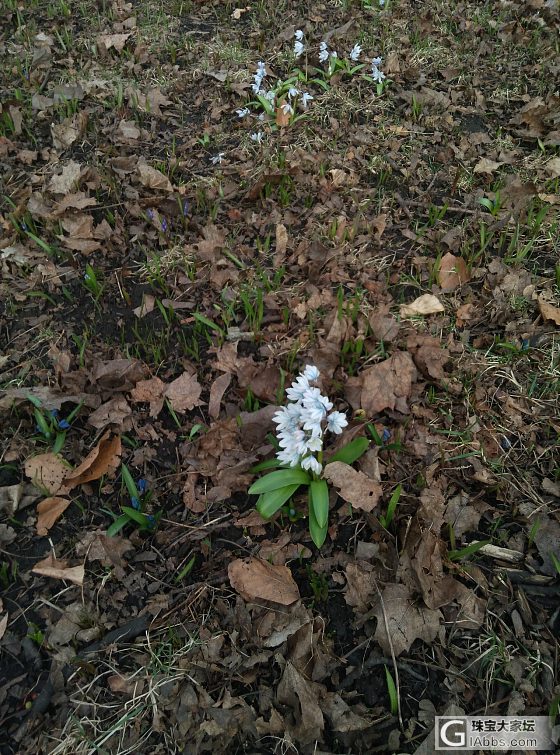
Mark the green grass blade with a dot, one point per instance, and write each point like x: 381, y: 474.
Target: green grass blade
x: 117, y: 525
x: 467, y: 551
x: 392, y: 690
x: 129, y: 482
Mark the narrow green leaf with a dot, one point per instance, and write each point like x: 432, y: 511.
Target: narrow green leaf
x: 279, y: 479
x: 34, y: 400
x: 319, y: 501
x: 129, y: 482
x: 351, y: 451
x: 392, y: 690
x: 467, y: 551
x: 269, y: 503
x: 209, y: 323
x: 318, y: 534
x: 117, y: 525
x: 42, y: 423
x: 136, y: 516
x: 186, y: 569
x: 264, y: 465
x: 59, y: 443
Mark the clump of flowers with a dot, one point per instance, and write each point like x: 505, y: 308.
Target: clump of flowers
x: 376, y: 74
x: 298, y: 44
x: 280, y: 103
x: 301, y: 429
x: 302, y: 424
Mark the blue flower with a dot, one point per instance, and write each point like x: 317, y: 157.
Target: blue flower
x: 142, y: 486
x: 135, y: 503
x: 386, y: 435
x: 64, y: 424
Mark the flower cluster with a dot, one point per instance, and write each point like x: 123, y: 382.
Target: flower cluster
x: 298, y: 44
x: 300, y: 424
x: 376, y: 74
x: 258, y: 77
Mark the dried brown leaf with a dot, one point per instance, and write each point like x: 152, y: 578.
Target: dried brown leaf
x: 118, y: 374
x: 101, y: 460
x: 217, y: 390
x: 67, y: 180
x: 48, y: 472
x: 153, y: 178
x: 115, y: 412
x: 428, y: 355
x: 58, y: 569
x: 49, y: 511
x: 427, y: 304
x: 386, y: 385
x: 406, y: 620
x: 353, y: 486
x: 484, y: 165
x: 549, y: 311
x: 184, y: 393
x: 360, y: 586
x: 255, y: 579
x: 301, y: 696
x: 452, y: 272
x: 151, y: 392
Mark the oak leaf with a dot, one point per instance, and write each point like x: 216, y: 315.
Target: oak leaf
x: 255, y: 579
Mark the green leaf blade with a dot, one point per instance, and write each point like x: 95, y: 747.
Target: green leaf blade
x: 279, y: 479
x: 351, y: 452
x: 117, y: 525
x: 319, y: 501
x: 318, y: 534
x: 129, y: 482
x: 269, y: 502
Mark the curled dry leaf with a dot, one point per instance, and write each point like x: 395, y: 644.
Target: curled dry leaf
x: 59, y: 569
x: 302, y: 697
x: 406, y: 620
x: 355, y: 487
x: 282, y: 116
x: 114, y: 412
x: 217, y: 390
x: 49, y: 510
x: 428, y: 304
x: 152, y: 178
x: 452, y: 272
x: 101, y: 460
x: 184, y: 393
x: 549, y: 311
x: 255, y: 579
x: 48, y: 472
x: 150, y: 391
x: 281, y: 240
x: 3, y: 623
x: 118, y: 374
x: 484, y: 165
x: 14, y: 497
